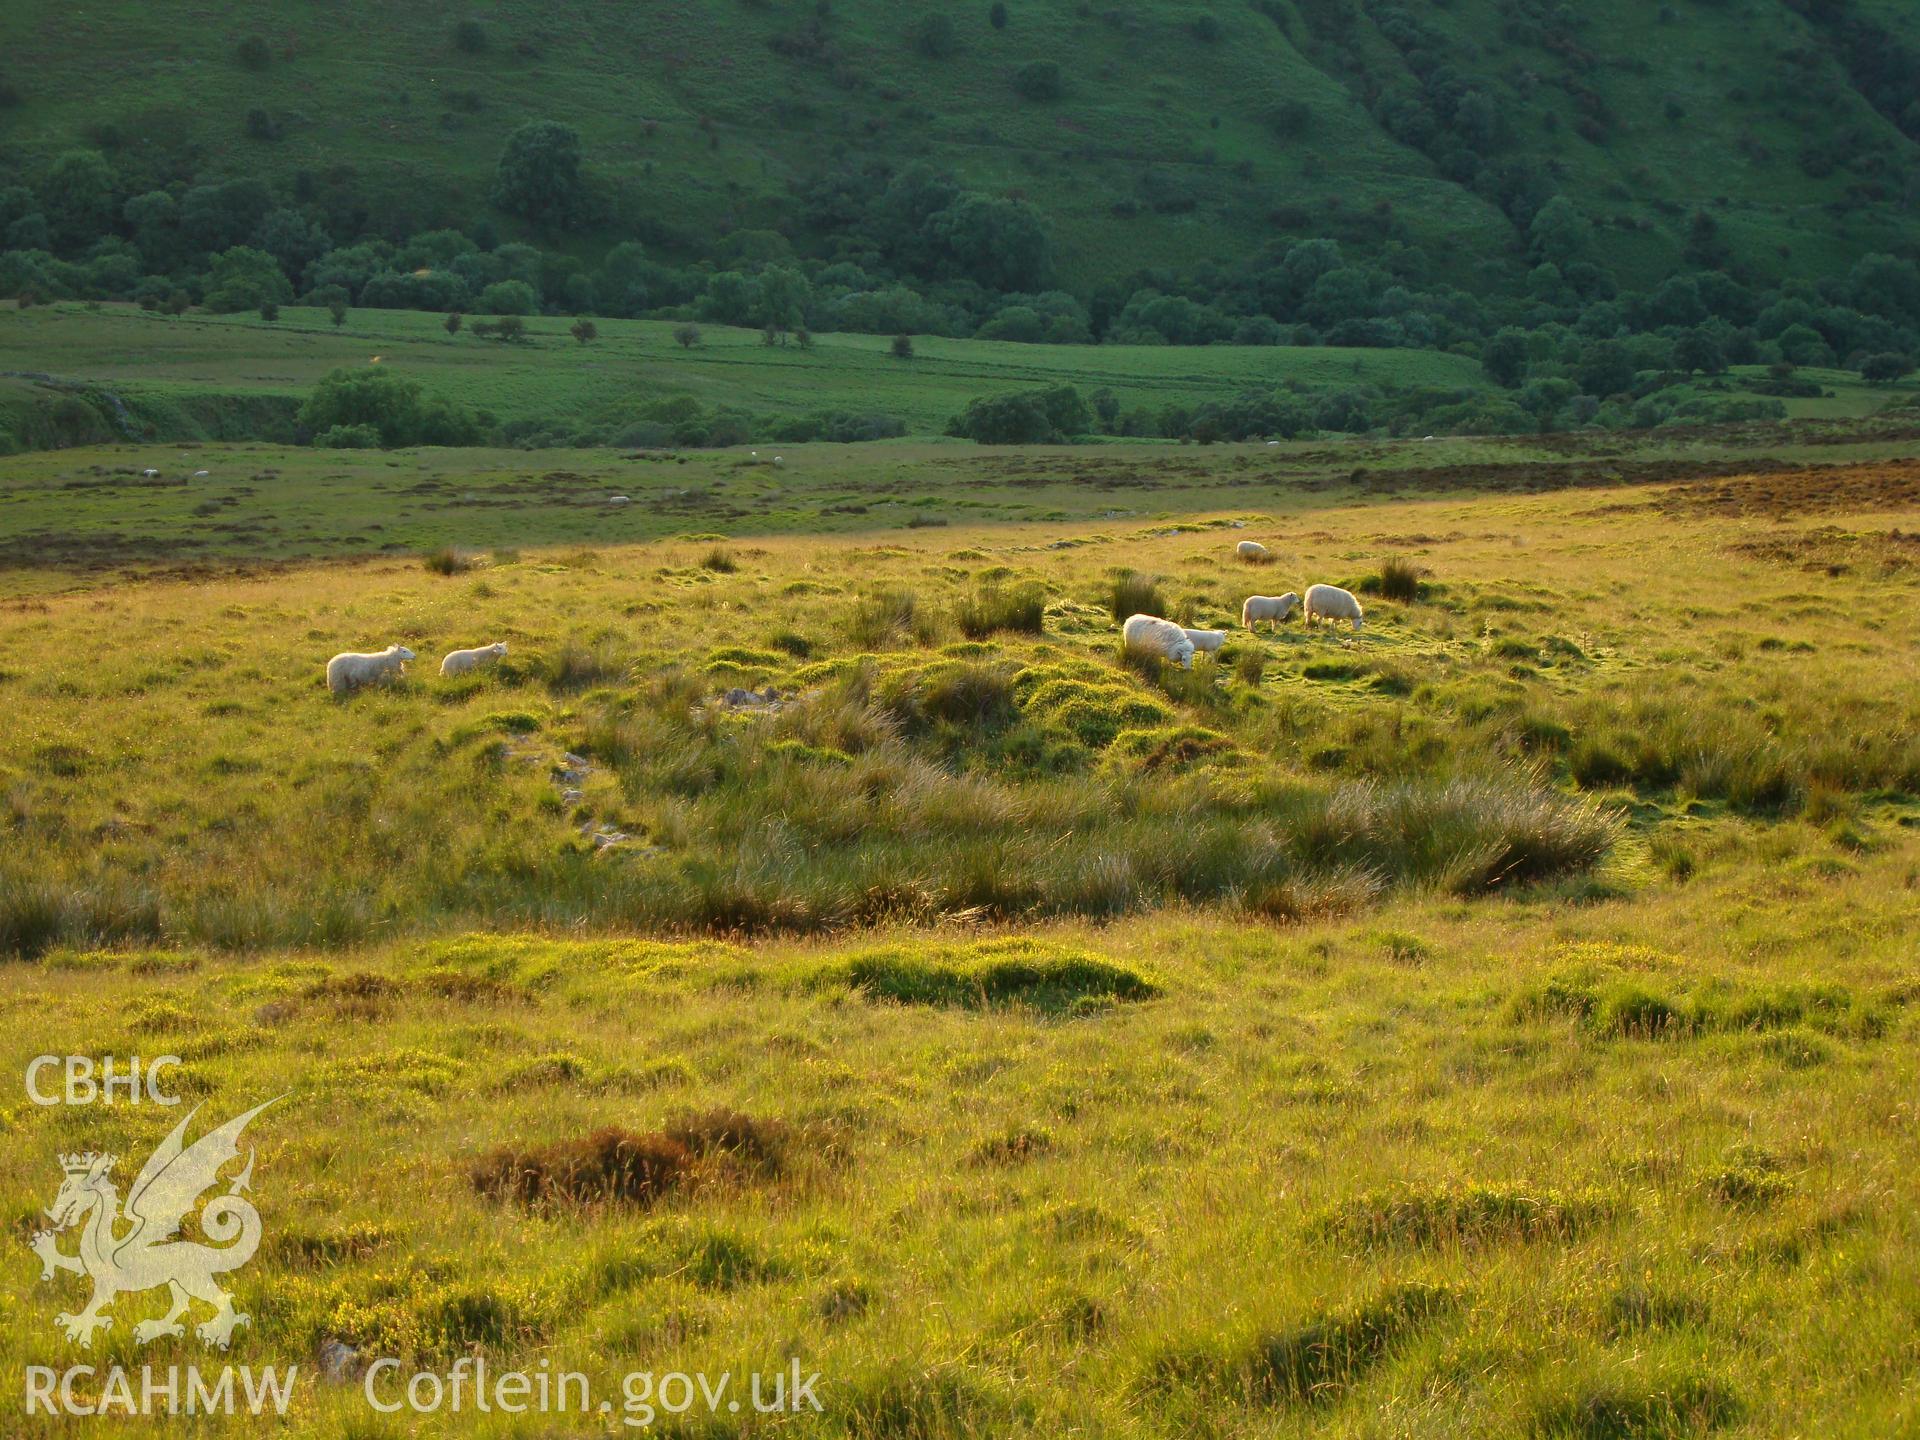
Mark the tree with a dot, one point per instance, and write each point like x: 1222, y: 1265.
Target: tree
x: 584, y: 330
x: 452, y: 323
x: 803, y: 337
x: 179, y: 302
x: 509, y: 297
x: 269, y: 311
x: 997, y: 16
x: 508, y: 330
x: 1706, y: 248
x: 392, y: 404
x: 1699, y: 350
x: 1606, y: 369
x: 291, y: 238
x: 936, y: 38
x: 1036, y: 417
x: 1558, y: 234
x: 244, y: 278
x: 338, y: 310
x: 998, y: 244
x: 1504, y: 357
x: 77, y: 198
x: 1804, y: 345
x: 783, y: 296
x: 686, y: 336
x: 1885, y: 369
x: 902, y: 347
x: 538, y: 176
x: 1039, y: 80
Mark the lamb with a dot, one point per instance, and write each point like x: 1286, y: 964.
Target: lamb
x: 1330, y: 602
x: 1162, y: 639
x: 459, y: 662
x: 1275, y: 608
x: 1207, y: 641
x: 1252, y: 551
x: 352, y: 669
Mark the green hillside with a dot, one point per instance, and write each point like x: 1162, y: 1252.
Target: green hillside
x: 1181, y: 132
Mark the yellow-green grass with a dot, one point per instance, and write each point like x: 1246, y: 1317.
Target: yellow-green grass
x: 1358, y: 1139
x: 1124, y: 1220
x: 1569, y: 654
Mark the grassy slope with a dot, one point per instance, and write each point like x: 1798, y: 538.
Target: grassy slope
x: 634, y: 361
x: 1012, y: 1220
x: 208, y: 357
x: 701, y: 125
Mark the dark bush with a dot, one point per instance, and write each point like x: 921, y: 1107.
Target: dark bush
x: 1039, y: 80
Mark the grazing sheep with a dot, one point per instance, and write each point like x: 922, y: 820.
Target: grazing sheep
x: 459, y: 662
x: 1267, y: 607
x: 149, y: 474
x: 1330, y: 602
x: 201, y: 474
x: 352, y: 669
x: 1207, y: 641
x: 1162, y: 639
x: 618, y: 500
x: 1252, y: 550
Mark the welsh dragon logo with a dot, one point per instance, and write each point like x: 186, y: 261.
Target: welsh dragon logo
x: 124, y: 1253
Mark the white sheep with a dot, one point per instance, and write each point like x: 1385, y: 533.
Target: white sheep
x: 1330, y: 602
x: 201, y: 474
x: 1207, y: 641
x: 1251, y: 550
x: 618, y: 500
x: 352, y: 669
x: 459, y: 662
x: 1275, y: 608
x: 1162, y: 639
x: 149, y: 474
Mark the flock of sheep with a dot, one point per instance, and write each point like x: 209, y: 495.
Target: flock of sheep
x: 352, y: 669
x: 1151, y: 636
x: 1147, y: 635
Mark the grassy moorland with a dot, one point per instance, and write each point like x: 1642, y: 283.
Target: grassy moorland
x: 1498, y: 1022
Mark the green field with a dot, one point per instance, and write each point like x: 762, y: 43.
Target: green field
x: 553, y: 376
x: 698, y: 120
x: 1499, y: 1021
x: 229, y: 377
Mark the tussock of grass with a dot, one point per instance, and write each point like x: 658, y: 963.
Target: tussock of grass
x: 1470, y: 1216
x: 579, y: 665
x: 609, y: 1166
x: 883, y: 619
x: 1638, y: 1309
x: 1135, y: 594
x: 1399, y: 579
x: 448, y: 560
x: 992, y: 608
x: 1682, y: 1407
x: 1312, y: 1363
x: 987, y: 975
x: 1618, y: 1007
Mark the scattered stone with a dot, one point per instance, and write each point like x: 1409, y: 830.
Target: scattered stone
x: 338, y: 1361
